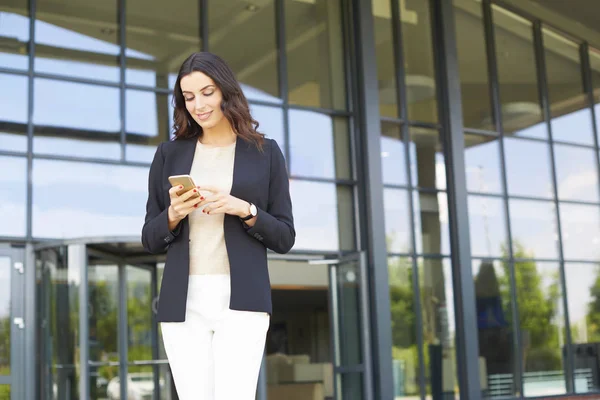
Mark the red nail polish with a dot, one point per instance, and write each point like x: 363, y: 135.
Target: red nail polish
x: 201, y: 198
x: 196, y: 205
x: 195, y: 190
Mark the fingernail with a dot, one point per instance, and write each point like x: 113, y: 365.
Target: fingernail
x: 196, y: 205
x: 195, y: 190
x: 180, y: 187
x: 201, y: 198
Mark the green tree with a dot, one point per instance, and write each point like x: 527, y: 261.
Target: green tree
x: 593, y: 310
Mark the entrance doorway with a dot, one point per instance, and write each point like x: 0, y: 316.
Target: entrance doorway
x: 99, y: 338
x: 12, y: 323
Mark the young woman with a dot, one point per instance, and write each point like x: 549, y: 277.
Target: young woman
x: 215, y: 299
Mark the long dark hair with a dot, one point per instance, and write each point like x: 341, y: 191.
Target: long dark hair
x: 234, y: 104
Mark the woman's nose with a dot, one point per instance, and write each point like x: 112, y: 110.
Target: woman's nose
x: 199, y: 104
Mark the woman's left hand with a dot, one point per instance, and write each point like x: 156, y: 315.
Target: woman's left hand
x: 223, y: 203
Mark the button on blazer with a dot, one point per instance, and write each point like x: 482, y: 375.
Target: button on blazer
x: 258, y: 177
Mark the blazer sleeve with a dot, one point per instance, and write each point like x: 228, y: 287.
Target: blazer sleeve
x: 275, y: 226
x: 156, y: 236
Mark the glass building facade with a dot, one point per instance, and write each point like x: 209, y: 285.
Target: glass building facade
x: 444, y: 168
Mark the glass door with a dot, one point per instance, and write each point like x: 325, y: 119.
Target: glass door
x: 349, y: 318
x: 12, y: 323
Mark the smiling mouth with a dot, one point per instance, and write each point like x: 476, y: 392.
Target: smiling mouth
x: 204, y: 116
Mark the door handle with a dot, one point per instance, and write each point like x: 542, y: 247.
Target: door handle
x: 18, y: 321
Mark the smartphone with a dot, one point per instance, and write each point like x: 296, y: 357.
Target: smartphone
x: 184, y: 180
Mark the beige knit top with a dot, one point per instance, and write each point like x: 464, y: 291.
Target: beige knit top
x: 212, y: 166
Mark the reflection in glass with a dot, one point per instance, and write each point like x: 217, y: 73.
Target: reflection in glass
x: 236, y: 27
x: 482, y: 163
x: 470, y: 41
x: 384, y: 51
x: 494, y: 326
x: 14, y: 32
x: 569, y: 107
x: 517, y: 74
x: 84, y: 45
x: 541, y: 320
x: 405, y: 356
x: 528, y: 168
x: 418, y: 60
x: 5, y: 392
x: 159, y: 38
x: 319, y: 145
x: 75, y: 119
x: 315, y: 215
x: 351, y: 386
x: 140, y: 330
x: 270, y: 120
x: 5, y: 316
x: 583, y: 299
x: 594, y: 55
x: 13, y: 192
x: 438, y: 329
x: 580, y: 231
x: 103, y: 306
x: 58, y: 279
x: 348, y: 278
x: 487, y: 226
x: 345, y: 209
x: 534, y: 229
x: 576, y: 173
x: 431, y: 223
x: 13, y: 113
x: 315, y: 52
x: 397, y: 223
x: 427, y: 156
x: 72, y: 199
x: 393, y: 158
x: 147, y: 122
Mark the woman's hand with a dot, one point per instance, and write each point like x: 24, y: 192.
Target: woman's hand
x: 181, y: 205
x: 223, y: 203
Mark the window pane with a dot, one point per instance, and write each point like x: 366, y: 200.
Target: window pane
x: 270, y: 120
x: 139, y: 316
x: 58, y: 322
x: 103, y: 310
x: 583, y: 291
x: 5, y: 317
x: 75, y: 119
x: 595, y: 71
x: 234, y: 28
x: 345, y: 209
x: 13, y: 192
x: 331, y: 157
x: 405, y: 356
x: 13, y: 113
x: 482, y: 162
x: 470, y: 40
x: 528, y: 168
x: 315, y: 51
x: 576, y: 173
x: 14, y: 31
x: 580, y: 231
x: 541, y: 318
x: 439, y: 330
x: 494, y: 325
x: 72, y: 199
x: 431, y: 223
x: 427, y: 158
x: 569, y: 107
x: 393, y: 156
x: 159, y: 38
x: 534, y: 229
x: 85, y: 44
x: 316, y: 222
x: 147, y: 122
x: 384, y: 51
x: 487, y: 227
x: 517, y: 75
x: 418, y: 60
x: 397, y: 222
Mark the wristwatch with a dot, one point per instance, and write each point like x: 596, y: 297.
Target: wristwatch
x: 253, y: 212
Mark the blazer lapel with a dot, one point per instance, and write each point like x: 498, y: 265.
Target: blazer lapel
x: 183, y: 166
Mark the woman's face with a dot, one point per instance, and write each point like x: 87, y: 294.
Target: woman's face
x: 202, y: 100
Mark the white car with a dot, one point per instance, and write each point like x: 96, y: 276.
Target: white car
x: 140, y: 386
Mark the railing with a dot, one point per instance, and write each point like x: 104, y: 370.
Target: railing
x: 539, y: 383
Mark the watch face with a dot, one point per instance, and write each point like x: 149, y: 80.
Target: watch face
x: 253, y: 210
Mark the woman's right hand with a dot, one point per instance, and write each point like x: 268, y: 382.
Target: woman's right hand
x: 181, y: 205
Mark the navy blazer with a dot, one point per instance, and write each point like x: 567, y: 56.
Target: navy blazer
x: 258, y: 177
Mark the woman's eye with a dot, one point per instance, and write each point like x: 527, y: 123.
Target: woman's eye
x: 208, y: 94
x: 190, y: 99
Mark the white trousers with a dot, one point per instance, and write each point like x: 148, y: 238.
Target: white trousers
x: 216, y: 353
